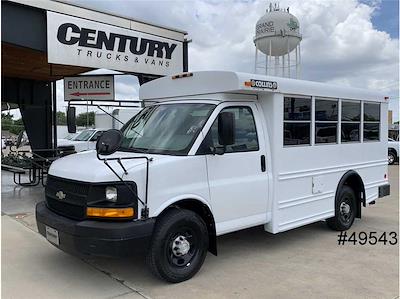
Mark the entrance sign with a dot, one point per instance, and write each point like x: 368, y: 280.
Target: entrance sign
x: 81, y: 42
x: 99, y: 88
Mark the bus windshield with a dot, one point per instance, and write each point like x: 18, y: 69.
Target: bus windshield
x: 165, y: 129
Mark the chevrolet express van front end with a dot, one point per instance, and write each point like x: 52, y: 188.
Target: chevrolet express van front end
x: 77, y: 217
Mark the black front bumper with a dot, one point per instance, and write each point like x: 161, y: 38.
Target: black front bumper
x: 100, y: 238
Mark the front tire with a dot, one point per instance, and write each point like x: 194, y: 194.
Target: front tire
x: 179, y: 245
x: 345, y: 210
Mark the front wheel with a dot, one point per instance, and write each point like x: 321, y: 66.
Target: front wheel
x: 345, y: 210
x: 391, y: 158
x: 179, y: 245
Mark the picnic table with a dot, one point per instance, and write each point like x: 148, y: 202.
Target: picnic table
x: 35, y: 166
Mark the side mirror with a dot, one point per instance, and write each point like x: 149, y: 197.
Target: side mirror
x: 226, y: 128
x: 71, y: 119
x: 109, y: 142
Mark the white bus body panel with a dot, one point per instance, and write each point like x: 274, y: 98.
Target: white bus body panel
x: 306, y: 177
x: 303, y: 179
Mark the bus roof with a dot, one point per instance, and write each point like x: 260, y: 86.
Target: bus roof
x: 209, y: 82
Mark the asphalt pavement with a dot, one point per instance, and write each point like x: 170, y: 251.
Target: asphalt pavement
x: 303, y: 263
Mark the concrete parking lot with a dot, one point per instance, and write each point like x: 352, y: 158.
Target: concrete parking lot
x: 302, y: 263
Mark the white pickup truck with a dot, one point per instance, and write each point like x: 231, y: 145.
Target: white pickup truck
x: 83, y: 141
x: 393, y: 151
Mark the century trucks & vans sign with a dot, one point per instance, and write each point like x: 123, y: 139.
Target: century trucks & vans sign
x: 80, y: 42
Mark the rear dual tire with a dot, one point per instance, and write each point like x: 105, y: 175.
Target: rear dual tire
x: 179, y: 245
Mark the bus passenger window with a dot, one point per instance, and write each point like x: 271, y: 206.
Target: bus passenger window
x: 297, y: 121
x: 351, y: 121
x: 326, y: 121
x: 372, y: 121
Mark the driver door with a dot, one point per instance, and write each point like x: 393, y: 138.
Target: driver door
x: 237, y: 179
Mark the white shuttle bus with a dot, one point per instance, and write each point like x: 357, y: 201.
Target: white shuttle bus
x: 215, y: 152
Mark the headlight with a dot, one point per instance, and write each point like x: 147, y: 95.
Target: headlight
x: 111, y: 194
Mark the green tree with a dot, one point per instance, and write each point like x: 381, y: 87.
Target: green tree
x: 61, y: 118
x: 6, y: 116
x: 17, y: 127
x: 11, y: 125
x: 81, y: 119
x: 6, y: 121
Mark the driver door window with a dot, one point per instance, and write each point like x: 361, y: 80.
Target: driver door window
x: 245, y: 133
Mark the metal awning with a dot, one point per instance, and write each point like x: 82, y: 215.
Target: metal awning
x: 25, y: 63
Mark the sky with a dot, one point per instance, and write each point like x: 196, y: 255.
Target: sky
x: 345, y: 42
x: 386, y: 17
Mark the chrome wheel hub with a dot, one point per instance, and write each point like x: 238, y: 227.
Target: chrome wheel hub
x: 180, y: 246
x: 344, y: 208
x: 390, y: 159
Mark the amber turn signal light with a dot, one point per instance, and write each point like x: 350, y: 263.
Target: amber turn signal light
x: 110, y: 212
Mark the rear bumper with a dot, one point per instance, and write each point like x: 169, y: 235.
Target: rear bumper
x: 384, y: 190
x: 100, y: 238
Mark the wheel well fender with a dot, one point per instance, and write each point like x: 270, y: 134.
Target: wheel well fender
x: 354, y: 181
x: 204, y: 211
x: 391, y: 149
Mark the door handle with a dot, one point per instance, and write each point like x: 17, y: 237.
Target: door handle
x: 263, y: 166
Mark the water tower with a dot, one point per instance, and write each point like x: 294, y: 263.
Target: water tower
x: 277, y: 35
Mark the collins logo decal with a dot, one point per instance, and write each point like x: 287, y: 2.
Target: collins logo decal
x: 61, y: 195
x: 76, y: 41
x: 261, y: 84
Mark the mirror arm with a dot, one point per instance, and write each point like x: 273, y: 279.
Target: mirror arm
x: 215, y: 151
x: 122, y: 166
x: 109, y: 114
x: 108, y: 165
x: 212, y: 150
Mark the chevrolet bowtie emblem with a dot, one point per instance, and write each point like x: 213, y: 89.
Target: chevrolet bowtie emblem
x: 61, y: 195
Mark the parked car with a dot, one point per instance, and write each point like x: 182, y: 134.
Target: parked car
x: 83, y: 141
x: 71, y: 136
x: 393, y: 151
